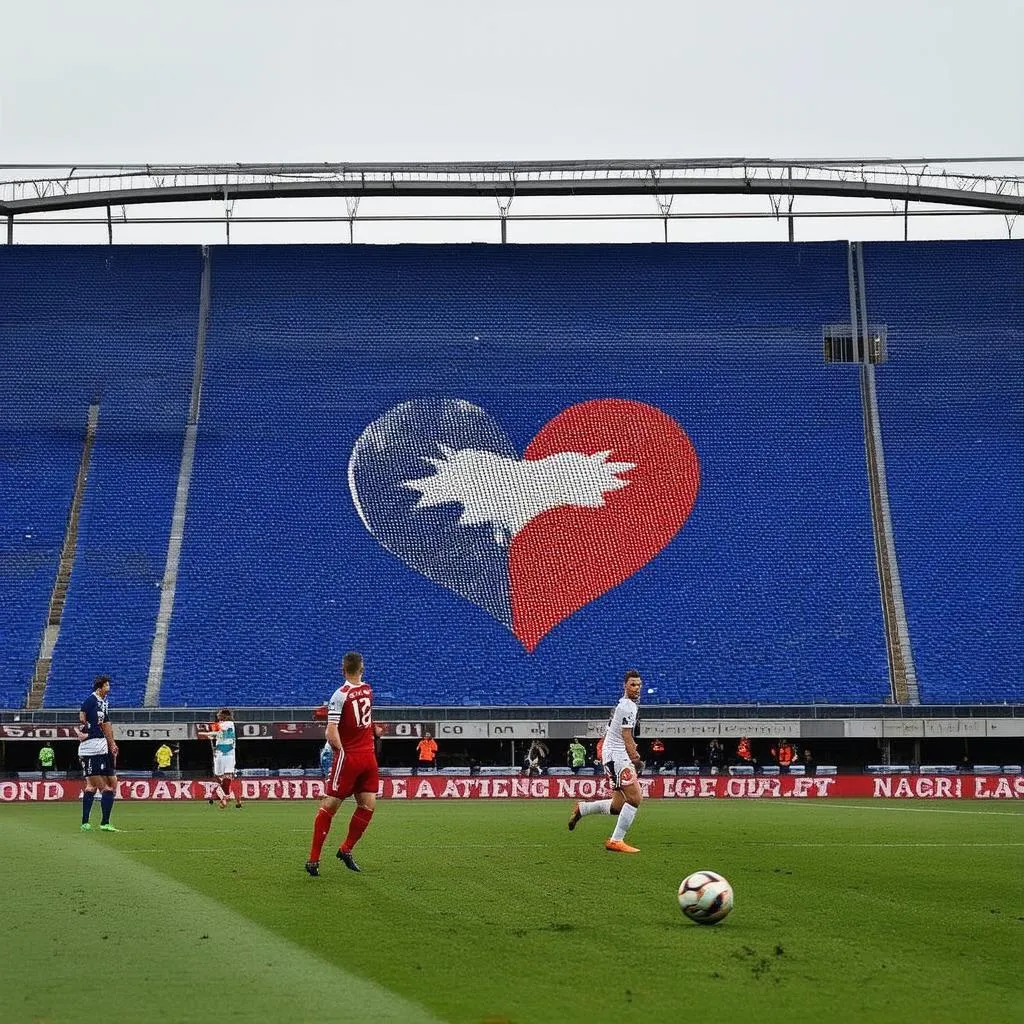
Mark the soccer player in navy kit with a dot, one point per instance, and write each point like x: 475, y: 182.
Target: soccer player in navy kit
x: 97, y: 752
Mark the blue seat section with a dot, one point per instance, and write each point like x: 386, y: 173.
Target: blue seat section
x: 951, y: 402
x: 37, y: 482
x: 114, y: 325
x: 122, y: 547
x: 769, y: 593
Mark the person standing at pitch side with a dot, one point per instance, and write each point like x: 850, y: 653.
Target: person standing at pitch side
x: 622, y: 766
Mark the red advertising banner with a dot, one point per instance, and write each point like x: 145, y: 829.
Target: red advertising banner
x: 513, y: 787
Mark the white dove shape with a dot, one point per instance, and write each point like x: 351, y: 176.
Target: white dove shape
x: 507, y: 493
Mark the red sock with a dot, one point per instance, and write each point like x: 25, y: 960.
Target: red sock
x: 321, y: 826
x: 356, y: 827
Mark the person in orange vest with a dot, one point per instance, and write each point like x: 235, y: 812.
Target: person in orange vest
x: 426, y: 751
x: 656, y: 754
x: 784, y: 754
x: 744, y: 753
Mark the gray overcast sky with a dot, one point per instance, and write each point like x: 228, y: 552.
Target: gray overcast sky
x: 204, y: 80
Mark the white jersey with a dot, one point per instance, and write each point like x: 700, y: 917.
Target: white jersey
x: 623, y: 717
x: 225, y: 739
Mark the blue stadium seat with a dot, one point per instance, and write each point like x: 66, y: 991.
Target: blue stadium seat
x: 769, y: 594
x: 951, y: 403
x: 77, y: 325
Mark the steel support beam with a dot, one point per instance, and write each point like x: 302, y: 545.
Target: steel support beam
x: 896, y: 181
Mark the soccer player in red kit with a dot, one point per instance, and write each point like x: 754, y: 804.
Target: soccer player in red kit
x: 354, y: 769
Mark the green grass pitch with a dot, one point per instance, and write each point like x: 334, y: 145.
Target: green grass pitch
x: 493, y: 912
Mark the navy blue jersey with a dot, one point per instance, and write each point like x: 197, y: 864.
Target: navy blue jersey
x: 94, y: 708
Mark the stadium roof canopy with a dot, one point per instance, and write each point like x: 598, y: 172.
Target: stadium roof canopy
x: 964, y: 185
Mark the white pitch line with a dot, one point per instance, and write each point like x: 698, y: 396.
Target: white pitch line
x: 905, y: 810
x: 892, y: 846
x: 166, y: 849
x: 381, y: 846
x: 501, y: 846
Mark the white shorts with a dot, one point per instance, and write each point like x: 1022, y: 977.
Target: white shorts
x: 620, y: 773
x: 223, y: 764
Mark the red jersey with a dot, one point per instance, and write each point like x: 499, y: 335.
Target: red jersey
x: 351, y: 709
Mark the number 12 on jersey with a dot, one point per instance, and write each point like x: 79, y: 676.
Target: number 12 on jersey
x: 361, y: 711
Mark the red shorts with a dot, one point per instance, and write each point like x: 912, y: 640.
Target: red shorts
x: 352, y: 772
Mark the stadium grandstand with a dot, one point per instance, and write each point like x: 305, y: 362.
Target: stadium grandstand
x: 785, y: 478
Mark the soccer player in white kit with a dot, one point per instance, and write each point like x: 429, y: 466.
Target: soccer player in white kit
x: 622, y: 765
x: 224, y: 741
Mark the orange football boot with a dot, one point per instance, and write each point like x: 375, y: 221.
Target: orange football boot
x: 618, y: 846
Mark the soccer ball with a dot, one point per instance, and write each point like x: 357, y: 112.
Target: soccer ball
x: 705, y: 897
